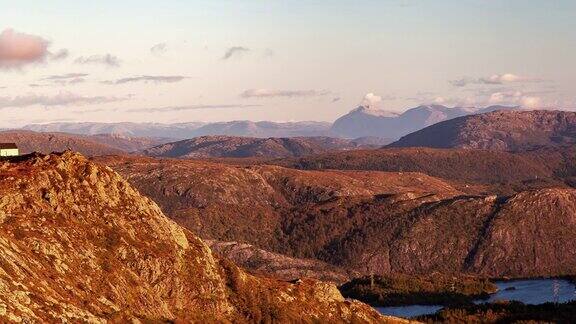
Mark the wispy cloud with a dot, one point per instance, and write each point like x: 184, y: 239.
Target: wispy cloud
x: 496, y: 79
x: 62, y: 99
x: 66, y: 76
x: 106, y: 59
x: 268, y: 93
x: 191, y: 107
x: 19, y: 49
x: 149, y: 78
x: 159, y: 49
x: 60, y: 80
x: 60, y: 55
x: 235, y: 51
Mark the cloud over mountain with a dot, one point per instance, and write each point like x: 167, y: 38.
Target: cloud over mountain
x: 370, y: 100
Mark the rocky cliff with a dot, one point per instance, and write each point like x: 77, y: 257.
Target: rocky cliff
x: 79, y: 244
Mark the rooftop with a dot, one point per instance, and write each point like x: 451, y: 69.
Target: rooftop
x: 5, y: 146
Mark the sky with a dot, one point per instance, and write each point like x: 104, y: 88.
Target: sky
x: 177, y: 61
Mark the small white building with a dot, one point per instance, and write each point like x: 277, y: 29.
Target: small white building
x: 9, y: 149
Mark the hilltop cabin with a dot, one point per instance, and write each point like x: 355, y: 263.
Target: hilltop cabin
x: 8, y: 149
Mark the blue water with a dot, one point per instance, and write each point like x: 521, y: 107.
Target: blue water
x: 533, y: 291
x: 409, y: 311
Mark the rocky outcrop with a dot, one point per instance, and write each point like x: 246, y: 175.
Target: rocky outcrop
x: 79, y: 244
x: 278, y: 265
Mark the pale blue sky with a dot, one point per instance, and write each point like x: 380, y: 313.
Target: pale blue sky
x: 314, y: 60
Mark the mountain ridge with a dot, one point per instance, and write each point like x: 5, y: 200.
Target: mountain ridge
x: 243, y: 147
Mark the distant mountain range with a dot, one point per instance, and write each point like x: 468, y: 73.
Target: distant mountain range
x: 360, y: 122
x: 367, y: 121
x: 189, y: 130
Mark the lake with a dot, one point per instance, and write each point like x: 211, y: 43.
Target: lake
x: 532, y: 291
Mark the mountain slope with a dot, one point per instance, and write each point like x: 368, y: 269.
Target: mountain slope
x: 365, y: 222
x: 500, y: 130
x: 241, y: 147
x: 78, y: 244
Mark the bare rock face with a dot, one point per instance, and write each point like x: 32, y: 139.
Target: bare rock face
x: 79, y: 244
x: 281, y: 266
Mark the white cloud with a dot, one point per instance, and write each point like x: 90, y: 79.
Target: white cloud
x: 371, y: 100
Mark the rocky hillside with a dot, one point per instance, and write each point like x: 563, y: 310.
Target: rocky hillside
x: 365, y: 222
x: 278, y: 265
x: 129, y: 144
x: 368, y: 121
x: 78, y: 244
x: 243, y: 147
x: 500, y: 130
x: 476, y: 172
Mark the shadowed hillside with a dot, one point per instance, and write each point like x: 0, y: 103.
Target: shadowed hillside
x: 474, y: 171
